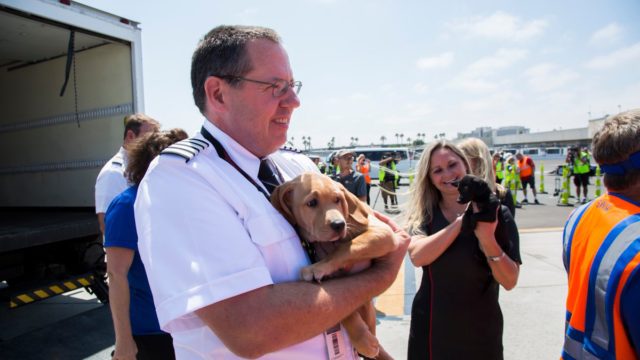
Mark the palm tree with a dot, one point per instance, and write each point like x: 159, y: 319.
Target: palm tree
x: 397, y: 138
x: 382, y: 139
x: 401, y: 137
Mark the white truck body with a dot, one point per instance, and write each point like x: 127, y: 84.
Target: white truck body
x: 53, y: 144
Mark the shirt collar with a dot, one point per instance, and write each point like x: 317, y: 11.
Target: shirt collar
x: 240, y: 155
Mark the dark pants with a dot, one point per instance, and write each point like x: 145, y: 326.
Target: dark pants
x: 154, y: 346
x: 368, y: 197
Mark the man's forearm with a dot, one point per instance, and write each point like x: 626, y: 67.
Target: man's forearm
x: 263, y: 320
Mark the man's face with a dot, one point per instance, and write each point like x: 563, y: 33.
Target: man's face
x: 255, y: 118
x: 346, y: 161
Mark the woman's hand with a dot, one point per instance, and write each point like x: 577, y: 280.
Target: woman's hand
x: 126, y: 349
x: 485, y: 231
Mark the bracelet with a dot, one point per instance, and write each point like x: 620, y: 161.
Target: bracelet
x: 496, y: 258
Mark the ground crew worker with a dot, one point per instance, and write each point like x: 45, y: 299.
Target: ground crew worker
x: 601, y: 252
x: 581, y: 170
x: 111, y: 180
x: 388, y: 182
x: 363, y: 166
x: 511, y: 177
x: 498, y: 164
x: 527, y: 176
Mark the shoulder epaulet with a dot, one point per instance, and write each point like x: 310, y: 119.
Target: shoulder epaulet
x: 290, y: 149
x: 186, y: 149
x: 117, y: 160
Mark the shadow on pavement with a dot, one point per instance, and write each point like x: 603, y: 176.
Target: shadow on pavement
x: 77, y: 337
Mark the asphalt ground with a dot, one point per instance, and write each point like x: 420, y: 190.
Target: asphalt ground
x: 77, y: 326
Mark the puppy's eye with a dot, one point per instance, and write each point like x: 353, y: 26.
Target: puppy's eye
x: 312, y: 203
x: 337, y: 200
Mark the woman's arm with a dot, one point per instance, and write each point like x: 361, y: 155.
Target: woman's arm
x: 423, y: 250
x: 120, y: 260
x: 505, y: 270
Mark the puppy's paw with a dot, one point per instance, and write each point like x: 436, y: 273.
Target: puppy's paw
x: 317, y: 271
x: 306, y: 273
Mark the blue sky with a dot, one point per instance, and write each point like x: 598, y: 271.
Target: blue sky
x: 381, y: 67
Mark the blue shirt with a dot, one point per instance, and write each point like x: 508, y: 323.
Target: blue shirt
x: 120, y: 231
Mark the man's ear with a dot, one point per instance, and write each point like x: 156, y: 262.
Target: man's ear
x: 214, y: 89
x: 281, y: 200
x: 129, y: 136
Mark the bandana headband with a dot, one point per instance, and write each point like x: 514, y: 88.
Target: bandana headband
x: 621, y: 168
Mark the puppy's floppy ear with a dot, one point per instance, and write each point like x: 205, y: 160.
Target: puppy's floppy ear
x: 356, y: 209
x: 281, y: 200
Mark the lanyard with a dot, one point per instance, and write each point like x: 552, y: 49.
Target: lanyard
x: 225, y: 156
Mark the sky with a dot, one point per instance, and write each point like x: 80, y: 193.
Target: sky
x: 385, y: 67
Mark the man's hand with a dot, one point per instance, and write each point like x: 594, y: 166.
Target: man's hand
x: 393, y: 260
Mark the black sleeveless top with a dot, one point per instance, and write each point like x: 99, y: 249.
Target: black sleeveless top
x: 455, y: 313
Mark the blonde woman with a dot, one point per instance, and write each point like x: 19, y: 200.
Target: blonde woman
x: 455, y: 313
x: 482, y: 166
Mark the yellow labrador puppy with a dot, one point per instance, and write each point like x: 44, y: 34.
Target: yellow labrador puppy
x: 345, y: 236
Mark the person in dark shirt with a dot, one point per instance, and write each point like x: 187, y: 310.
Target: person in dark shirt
x: 455, y: 313
x: 349, y: 178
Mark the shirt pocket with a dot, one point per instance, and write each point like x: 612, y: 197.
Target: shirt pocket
x: 279, y: 245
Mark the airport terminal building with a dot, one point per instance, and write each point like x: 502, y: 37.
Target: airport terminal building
x: 555, y: 142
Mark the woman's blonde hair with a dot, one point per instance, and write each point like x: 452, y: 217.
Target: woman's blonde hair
x: 424, y: 195
x: 478, y: 153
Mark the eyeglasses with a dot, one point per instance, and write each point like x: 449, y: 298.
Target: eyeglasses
x: 278, y: 87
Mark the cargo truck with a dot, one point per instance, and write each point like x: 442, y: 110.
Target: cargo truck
x: 69, y: 73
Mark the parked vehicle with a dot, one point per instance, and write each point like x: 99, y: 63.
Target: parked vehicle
x: 69, y: 74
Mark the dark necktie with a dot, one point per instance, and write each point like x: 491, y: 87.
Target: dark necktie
x: 268, y: 175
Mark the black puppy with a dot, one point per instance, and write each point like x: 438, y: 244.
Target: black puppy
x: 472, y: 188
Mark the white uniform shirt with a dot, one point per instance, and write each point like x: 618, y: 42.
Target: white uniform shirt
x: 207, y: 234
x: 111, y: 181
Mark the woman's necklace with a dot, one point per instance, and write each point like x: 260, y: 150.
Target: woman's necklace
x: 451, y: 212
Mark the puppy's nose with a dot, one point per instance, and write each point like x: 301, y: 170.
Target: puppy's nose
x: 337, y: 225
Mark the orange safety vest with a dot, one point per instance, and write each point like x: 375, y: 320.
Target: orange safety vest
x: 525, y: 169
x: 601, y: 249
x: 364, y: 170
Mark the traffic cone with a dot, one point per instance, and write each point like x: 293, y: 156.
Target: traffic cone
x: 563, y: 199
x: 542, y: 191
x: 598, y: 181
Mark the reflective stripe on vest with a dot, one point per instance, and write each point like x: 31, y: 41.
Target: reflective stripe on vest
x: 594, y: 330
x: 567, y: 236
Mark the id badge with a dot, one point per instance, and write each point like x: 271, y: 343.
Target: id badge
x: 336, y: 346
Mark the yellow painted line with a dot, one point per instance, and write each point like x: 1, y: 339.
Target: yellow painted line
x: 12, y: 304
x: 83, y: 281
x: 25, y: 299
x: 41, y: 294
x: 56, y: 289
x: 535, y: 230
x: 70, y: 285
x: 391, y: 302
